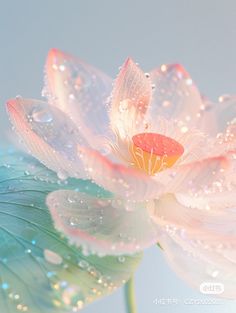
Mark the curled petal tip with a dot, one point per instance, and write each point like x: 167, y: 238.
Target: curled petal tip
x: 54, y: 55
x: 53, y: 52
x: 11, y: 104
x: 129, y: 62
x: 179, y: 69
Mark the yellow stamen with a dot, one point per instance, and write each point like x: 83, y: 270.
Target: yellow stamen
x: 154, y: 152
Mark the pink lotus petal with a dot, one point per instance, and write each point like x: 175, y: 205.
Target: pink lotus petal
x: 130, y: 99
x: 81, y: 91
x: 49, y: 135
x: 117, y: 178
x: 203, y: 222
x: 215, y: 201
x: 219, y: 114
x: 175, y: 95
x: 102, y: 226
x: 225, y: 141
x: 198, y: 263
x: 200, y: 178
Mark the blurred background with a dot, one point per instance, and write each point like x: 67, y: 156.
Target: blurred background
x: 199, y: 34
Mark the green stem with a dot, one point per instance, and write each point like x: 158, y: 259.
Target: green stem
x: 130, y: 296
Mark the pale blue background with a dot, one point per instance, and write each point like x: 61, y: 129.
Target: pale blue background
x: 200, y: 34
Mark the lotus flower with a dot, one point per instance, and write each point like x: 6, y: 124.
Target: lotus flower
x: 165, y: 153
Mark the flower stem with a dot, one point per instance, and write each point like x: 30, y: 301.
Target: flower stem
x: 130, y: 296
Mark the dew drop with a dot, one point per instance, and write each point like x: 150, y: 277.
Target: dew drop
x: 83, y: 264
x: 42, y: 116
x: 54, y: 66
x: 189, y: 81
x: 74, y: 221
x: 166, y: 104
x: 224, y: 98
x: 124, y: 104
x: 52, y: 257
x: 121, y: 259
x: 163, y: 68
x: 62, y: 175
x: 184, y: 129
x: 62, y: 67
x: 72, y: 96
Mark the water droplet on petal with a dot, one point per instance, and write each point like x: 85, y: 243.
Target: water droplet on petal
x: 189, y: 81
x: 163, y: 68
x: 62, y: 175
x: 224, y: 98
x: 83, y: 264
x: 184, y: 129
x: 124, y: 104
x: 52, y: 257
x: 62, y: 67
x: 71, y: 200
x: 166, y: 104
x: 54, y: 66
x: 42, y: 116
x: 74, y: 221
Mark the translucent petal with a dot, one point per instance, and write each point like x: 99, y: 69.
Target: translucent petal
x: 49, y: 135
x: 130, y: 99
x: 119, y: 179
x: 215, y: 201
x: 175, y: 95
x: 201, y: 265
x: 226, y: 141
x: 81, y: 91
x: 201, y: 178
x: 103, y: 226
x: 199, y: 243
x: 205, y: 223
x: 218, y: 115
x: 40, y: 271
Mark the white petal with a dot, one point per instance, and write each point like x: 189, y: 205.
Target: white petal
x: 198, y: 263
x: 103, y: 226
x: 201, y: 178
x: 49, y: 135
x: 81, y: 91
x: 130, y: 99
x: 219, y: 114
x: 175, y: 95
x: 200, y: 244
x: 216, y: 201
x: 205, y: 223
x: 117, y: 178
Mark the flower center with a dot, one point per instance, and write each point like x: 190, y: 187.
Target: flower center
x: 154, y: 152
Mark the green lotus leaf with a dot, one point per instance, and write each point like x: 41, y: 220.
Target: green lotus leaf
x: 39, y: 271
